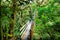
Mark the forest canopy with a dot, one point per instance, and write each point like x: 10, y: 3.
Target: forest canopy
x: 45, y: 14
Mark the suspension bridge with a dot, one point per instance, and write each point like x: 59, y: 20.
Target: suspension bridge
x: 27, y: 31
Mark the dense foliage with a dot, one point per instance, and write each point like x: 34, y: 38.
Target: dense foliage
x: 47, y: 23
x: 14, y: 14
x: 45, y: 13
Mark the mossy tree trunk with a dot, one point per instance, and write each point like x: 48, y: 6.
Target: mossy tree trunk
x: 13, y: 20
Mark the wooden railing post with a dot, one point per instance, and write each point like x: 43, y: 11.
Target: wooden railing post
x: 32, y: 31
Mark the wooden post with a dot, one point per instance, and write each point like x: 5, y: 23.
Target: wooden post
x: 32, y: 31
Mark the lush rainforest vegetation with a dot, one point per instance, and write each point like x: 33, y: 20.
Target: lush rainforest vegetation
x: 15, y: 13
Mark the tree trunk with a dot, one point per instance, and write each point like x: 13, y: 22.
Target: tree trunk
x: 13, y: 20
x: 1, y: 31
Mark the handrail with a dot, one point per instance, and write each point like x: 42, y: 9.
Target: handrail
x: 27, y: 28
x: 26, y: 31
x: 23, y: 28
